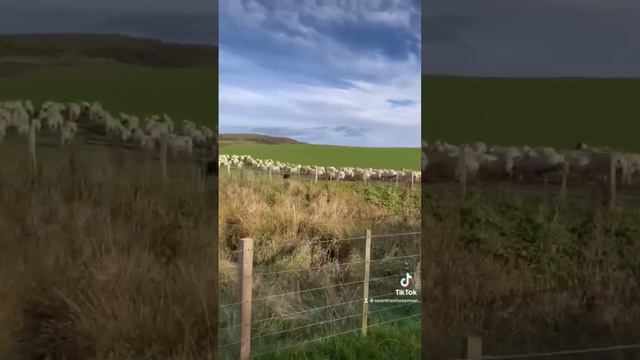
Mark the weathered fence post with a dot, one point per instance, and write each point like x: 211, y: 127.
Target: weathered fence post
x: 367, y: 263
x: 33, y: 166
x: 612, y: 182
x: 246, y: 279
x: 462, y: 166
x: 563, y: 191
x: 163, y: 157
x: 472, y: 348
x: 563, y: 187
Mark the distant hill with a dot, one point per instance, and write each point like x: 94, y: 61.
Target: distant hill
x: 31, y: 48
x: 256, y: 138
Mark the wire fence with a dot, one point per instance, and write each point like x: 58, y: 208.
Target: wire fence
x: 293, y: 316
x: 537, y: 190
x: 473, y: 351
x: 306, y: 177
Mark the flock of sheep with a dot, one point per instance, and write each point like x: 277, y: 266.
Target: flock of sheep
x: 63, y: 120
x: 318, y: 172
x: 477, y: 161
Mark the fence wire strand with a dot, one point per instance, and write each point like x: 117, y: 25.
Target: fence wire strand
x: 337, y: 240
x: 308, y: 290
x: 288, y: 316
x: 561, y: 352
x: 308, y: 311
x: 265, y: 273
x: 397, y: 234
x: 318, y: 288
x: 307, y: 269
x: 327, y: 321
x: 334, y: 335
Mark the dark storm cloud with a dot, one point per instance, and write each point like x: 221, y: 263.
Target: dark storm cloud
x: 399, y: 103
x: 192, y: 21
x: 348, y: 131
x: 531, y: 38
x: 278, y: 131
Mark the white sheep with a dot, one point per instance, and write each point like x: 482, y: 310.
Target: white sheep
x: 68, y: 132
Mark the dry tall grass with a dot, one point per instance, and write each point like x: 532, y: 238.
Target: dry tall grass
x: 499, y: 265
x: 100, y: 261
x: 285, y: 218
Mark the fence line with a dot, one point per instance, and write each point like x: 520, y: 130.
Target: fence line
x: 308, y: 269
x: 327, y: 321
x: 397, y: 234
x: 579, y: 191
x: 246, y: 300
x: 344, y: 239
x: 336, y: 240
x: 310, y: 310
x: 472, y: 350
x: 334, y: 335
x: 264, y: 273
x: 315, y: 289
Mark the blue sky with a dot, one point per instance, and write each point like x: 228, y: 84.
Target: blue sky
x: 584, y: 38
x: 187, y: 21
x: 325, y: 72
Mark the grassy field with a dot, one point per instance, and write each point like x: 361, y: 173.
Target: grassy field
x: 292, y: 223
x: 327, y: 155
x: 402, y: 337
x: 507, y: 266
x: 556, y: 112
x: 502, y: 265
x: 100, y: 260
x: 182, y: 93
x: 124, y: 74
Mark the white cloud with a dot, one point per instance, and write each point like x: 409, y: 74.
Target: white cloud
x: 255, y: 96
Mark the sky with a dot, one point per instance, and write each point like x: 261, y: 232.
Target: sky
x: 532, y: 38
x: 324, y: 72
x: 187, y: 21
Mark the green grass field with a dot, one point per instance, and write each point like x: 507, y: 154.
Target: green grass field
x: 557, y: 112
x: 186, y: 93
x: 394, y: 340
x: 328, y: 155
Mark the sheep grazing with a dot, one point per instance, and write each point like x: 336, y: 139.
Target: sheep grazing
x: 54, y: 118
x: 74, y: 112
x: 180, y: 144
x: 68, y: 132
x: 289, y: 170
x: 583, y: 163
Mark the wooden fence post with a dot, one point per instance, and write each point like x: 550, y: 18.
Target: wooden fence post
x: 33, y: 166
x: 163, y: 157
x: 246, y: 279
x: 472, y: 348
x: 367, y: 263
x: 462, y: 164
x: 612, y: 181
x: 565, y: 176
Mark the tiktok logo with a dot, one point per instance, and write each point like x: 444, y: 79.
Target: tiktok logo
x: 405, y: 281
